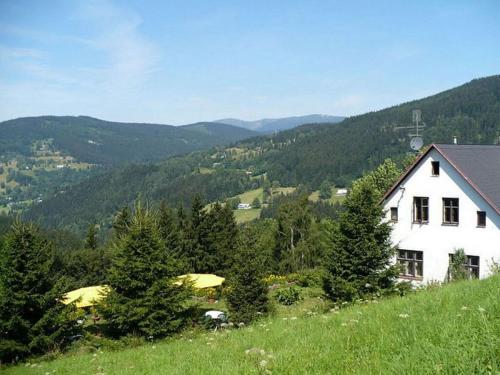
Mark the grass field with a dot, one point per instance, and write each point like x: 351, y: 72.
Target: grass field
x: 450, y: 330
x: 314, y: 197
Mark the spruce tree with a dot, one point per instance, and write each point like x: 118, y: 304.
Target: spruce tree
x: 32, y: 320
x: 91, y: 239
x: 360, y: 260
x: 248, y: 294
x: 325, y: 190
x: 121, y: 222
x: 145, y: 299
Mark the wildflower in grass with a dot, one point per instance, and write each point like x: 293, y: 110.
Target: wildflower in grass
x: 464, y: 308
x: 293, y: 318
x: 354, y: 321
x: 263, y: 363
x: 481, y: 309
x: 404, y: 316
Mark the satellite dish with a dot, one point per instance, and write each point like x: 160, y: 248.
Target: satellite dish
x: 416, y: 143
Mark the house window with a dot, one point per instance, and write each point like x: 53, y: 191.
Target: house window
x: 412, y: 263
x: 481, y: 218
x: 450, y: 210
x: 394, y: 214
x: 420, y: 209
x: 471, y: 266
x: 435, y: 168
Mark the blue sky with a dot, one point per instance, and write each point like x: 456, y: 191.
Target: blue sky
x: 178, y: 62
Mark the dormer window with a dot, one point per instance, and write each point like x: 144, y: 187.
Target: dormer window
x: 435, y: 168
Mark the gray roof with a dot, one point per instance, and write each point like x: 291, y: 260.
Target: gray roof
x: 479, y: 165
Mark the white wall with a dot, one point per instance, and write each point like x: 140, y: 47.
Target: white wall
x: 436, y: 240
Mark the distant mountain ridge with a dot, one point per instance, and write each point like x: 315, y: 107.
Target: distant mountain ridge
x: 102, y: 142
x: 307, y: 155
x: 270, y: 125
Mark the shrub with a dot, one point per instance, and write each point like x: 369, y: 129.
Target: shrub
x: 457, y: 265
x: 288, y: 296
x: 307, y: 278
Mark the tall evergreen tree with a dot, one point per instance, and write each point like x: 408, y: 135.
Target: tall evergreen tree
x: 248, y: 294
x: 145, y: 299
x: 121, y: 222
x: 360, y: 260
x: 32, y: 320
x: 222, y: 239
x: 325, y: 190
x: 91, y: 239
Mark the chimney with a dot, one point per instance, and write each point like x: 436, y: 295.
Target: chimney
x: 454, y: 139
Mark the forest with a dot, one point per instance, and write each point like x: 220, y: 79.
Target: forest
x: 307, y: 155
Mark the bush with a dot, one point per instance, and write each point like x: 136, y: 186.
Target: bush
x: 288, y: 296
x: 457, y: 265
x: 308, y: 278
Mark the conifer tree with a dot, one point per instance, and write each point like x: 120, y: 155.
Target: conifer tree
x: 32, y: 320
x: 91, y: 239
x: 360, y: 260
x: 222, y: 239
x: 248, y: 294
x: 325, y: 190
x: 121, y: 222
x: 145, y: 299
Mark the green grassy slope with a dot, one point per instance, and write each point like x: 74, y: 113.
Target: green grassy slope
x: 449, y: 330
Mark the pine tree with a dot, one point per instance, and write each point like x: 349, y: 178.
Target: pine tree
x: 359, y: 262
x: 248, y: 294
x: 32, y: 321
x: 91, y: 239
x: 222, y: 239
x: 121, y: 222
x: 145, y: 299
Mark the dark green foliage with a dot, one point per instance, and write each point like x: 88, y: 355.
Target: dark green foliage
x: 109, y: 143
x: 457, y: 266
x: 32, y: 321
x: 121, y: 222
x: 256, y: 203
x: 85, y: 267
x: 359, y: 262
x: 144, y: 299
x: 91, y: 239
x: 288, y: 296
x: 260, y: 238
x: 325, y: 190
x: 248, y: 294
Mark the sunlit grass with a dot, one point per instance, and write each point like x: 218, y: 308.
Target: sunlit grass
x: 449, y: 330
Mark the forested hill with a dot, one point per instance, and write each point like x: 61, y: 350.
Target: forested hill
x: 306, y: 155
x: 101, y: 142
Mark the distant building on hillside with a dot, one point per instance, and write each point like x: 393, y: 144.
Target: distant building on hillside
x: 341, y: 192
x: 448, y: 199
x: 244, y: 206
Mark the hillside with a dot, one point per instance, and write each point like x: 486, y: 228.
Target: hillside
x: 395, y: 336
x: 270, y: 125
x: 101, y: 142
x: 306, y: 155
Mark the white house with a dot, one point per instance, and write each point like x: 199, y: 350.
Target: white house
x: 244, y: 206
x: 448, y: 199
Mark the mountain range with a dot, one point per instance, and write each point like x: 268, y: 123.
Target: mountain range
x: 276, y: 124
x: 307, y: 155
x: 107, y: 143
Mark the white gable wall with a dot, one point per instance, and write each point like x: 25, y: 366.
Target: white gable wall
x: 435, y: 239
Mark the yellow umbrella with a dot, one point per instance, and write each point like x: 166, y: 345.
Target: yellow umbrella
x: 90, y: 295
x: 202, y: 280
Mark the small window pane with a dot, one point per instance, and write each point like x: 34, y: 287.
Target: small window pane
x: 394, y: 213
x: 481, y: 218
x: 435, y: 168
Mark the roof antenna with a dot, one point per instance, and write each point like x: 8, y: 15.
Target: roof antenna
x: 454, y: 139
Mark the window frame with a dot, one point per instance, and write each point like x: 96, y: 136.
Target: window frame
x: 472, y: 269
x: 435, y: 171
x: 451, y: 207
x: 411, y: 258
x: 420, y: 209
x: 478, y: 215
x: 392, y: 210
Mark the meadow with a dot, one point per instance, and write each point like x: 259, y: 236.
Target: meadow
x: 454, y: 329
